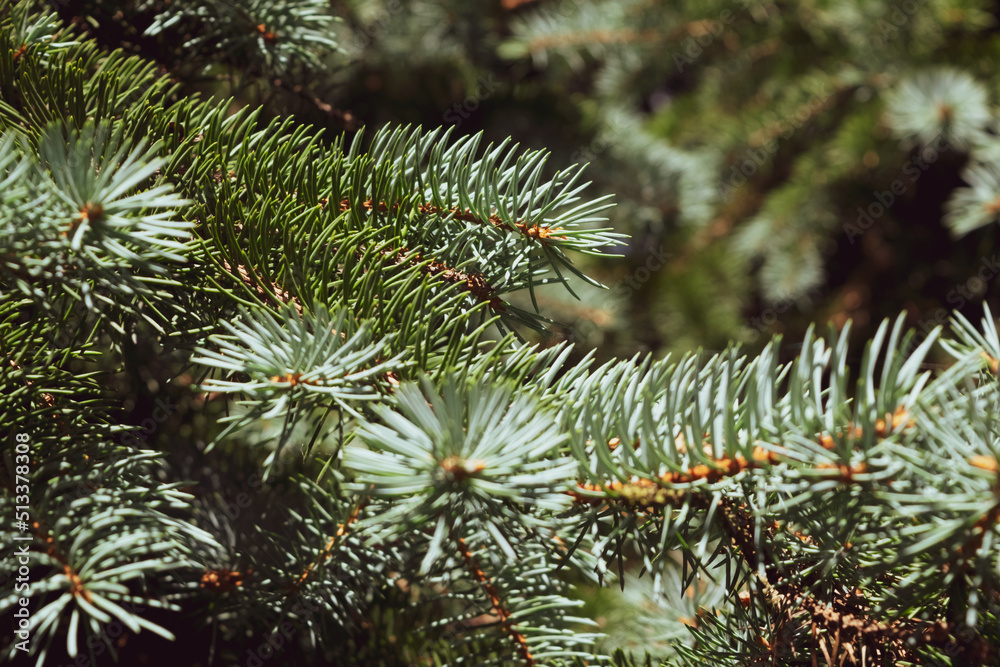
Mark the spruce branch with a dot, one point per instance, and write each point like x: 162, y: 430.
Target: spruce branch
x: 272, y: 36
x: 841, y: 512
x: 942, y: 102
x: 497, y: 604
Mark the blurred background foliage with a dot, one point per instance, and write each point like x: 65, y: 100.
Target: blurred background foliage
x: 775, y: 163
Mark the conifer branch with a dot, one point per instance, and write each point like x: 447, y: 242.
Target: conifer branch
x: 586, y: 38
x: 822, y: 508
x: 328, y: 550
x: 497, y: 603
x: 535, y: 231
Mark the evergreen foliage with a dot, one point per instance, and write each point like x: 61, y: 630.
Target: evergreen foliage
x: 782, y: 140
x: 279, y: 407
